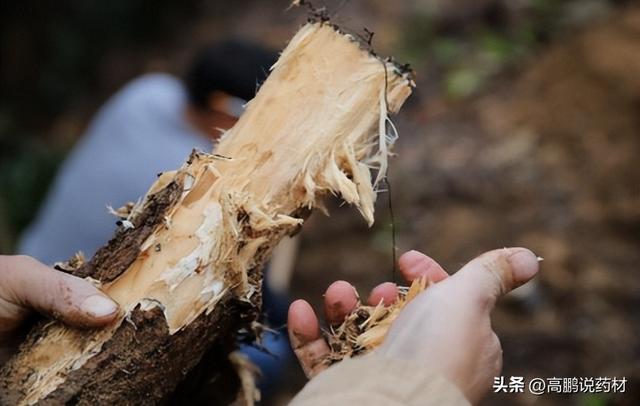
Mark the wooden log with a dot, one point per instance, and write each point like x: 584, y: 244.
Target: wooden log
x: 185, y: 266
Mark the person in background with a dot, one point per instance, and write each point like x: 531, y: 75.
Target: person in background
x: 151, y: 126
x: 148, y: 127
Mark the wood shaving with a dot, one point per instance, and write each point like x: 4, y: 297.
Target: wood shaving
x: 365, y: 328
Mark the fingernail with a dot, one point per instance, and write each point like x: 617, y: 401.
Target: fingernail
x: 99, y: 306
x: 524, y: 264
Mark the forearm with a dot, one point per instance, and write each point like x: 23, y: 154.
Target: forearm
x: 376, y: 380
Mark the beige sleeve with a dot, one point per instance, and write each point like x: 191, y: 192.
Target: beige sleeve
x: 374, y: 380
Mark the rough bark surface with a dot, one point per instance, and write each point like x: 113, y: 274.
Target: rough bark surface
x: 185, y: 266
x: 114, y: 258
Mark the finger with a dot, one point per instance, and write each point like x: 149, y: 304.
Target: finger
x: 307, y: 342
x: 496, y: 273
x: 339, y: 300
x: 386, y: 293
x: 29, y: 284
x: 414, y: 264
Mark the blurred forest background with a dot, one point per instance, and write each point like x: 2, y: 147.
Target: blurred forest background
x: 524, y: 130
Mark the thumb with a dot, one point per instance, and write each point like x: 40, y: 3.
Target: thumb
x: 28, y: 283
x: 496, y: 273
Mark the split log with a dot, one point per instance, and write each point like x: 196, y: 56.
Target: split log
x: 185, y: 266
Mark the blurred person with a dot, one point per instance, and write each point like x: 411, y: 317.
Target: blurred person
x: 440, y: 350
x: 151, y: 126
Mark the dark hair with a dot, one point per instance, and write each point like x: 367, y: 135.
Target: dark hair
x: 234, y: 67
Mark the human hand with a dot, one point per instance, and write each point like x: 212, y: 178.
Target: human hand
x: 447, y: 328
x: 27, y: 285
